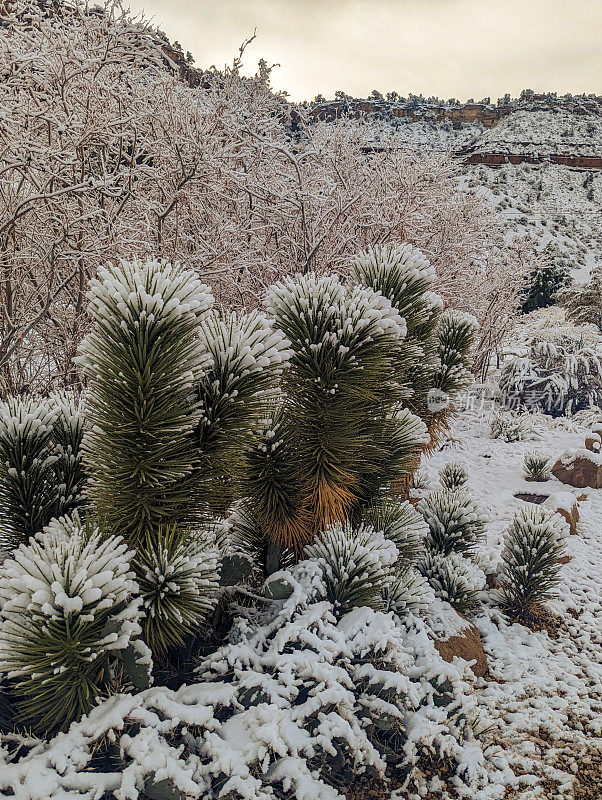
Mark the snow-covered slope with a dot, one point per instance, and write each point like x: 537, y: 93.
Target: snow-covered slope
x: 560, y: 206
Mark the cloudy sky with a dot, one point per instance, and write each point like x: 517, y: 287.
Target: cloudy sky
x: 448, y: 48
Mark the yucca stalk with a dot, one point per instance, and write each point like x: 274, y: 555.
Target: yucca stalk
x: 178, y: 575
x: 41, y: 469
x: 142, y: 359
x: 26, y: 467
x: 455, y: 334
x: 245, y: 358
x: 341, y: 381
x: 404, y: 275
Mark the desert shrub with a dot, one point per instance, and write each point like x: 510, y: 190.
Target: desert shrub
x: 68, y: 606
x: 453, y: 578
x: 542, y: 286
x: 555, y: 378
x: 536, y: 466
x: 296, y: 704
x: 453, y: 475
x: 455, y: 521
x: 529, y: 571
x: 510, y: 426
x: 583, y: 301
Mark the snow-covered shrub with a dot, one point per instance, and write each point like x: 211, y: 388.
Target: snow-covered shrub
x: 456, y: 523
x: 583, y: 301
x: 454, y: 578
x: 453, y: 475
x: 529, y: 571
x: 142, y: 358
x: 178, y: 577
x: 245, y: 357
x: 400, y: 523
x: 68, y: 606
x: 41, y: 470
x: 543, y: 285
x: 355, y: 563
x: 294, y: 705
x: 557, y: 378
x: 536, y: 466
x: 510, y: 426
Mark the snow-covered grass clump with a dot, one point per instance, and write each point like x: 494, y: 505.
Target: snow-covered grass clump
x: 510, y: 426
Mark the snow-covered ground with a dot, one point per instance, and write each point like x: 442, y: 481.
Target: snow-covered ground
x: 544, y: 698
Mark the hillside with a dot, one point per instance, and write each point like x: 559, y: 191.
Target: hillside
x: 538, y: 163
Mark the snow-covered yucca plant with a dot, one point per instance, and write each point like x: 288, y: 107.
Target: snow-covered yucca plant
x: 536, y: 466
x: 41, y: 470
x: 407, y: 592
x: 400, y: 523
x: 355, y: 562
x: 454, y: 578
x: 456, y: 332
x: 453, y: 475
x: 142, y: 358
x: 557, y: 378
x: 510, y: 426
x: 437, y: 346
x: 343, y: 432
x: 178, y: 577
x: 529, y: 571
x: 456, y: 522
x: 245, y: 357
x: 68, y: 606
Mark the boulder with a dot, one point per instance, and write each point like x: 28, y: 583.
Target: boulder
x: 579, y: 468
x: 565, y: 504
x: 467, y: 645
x: 592, y: 442
x: 453, y: 635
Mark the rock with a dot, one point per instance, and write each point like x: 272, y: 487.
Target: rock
x: 579, y: 468
x: 565, y: 504
x: 467, y: 645
x: 592, y: 442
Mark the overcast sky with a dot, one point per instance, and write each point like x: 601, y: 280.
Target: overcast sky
x: 448, y: 48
